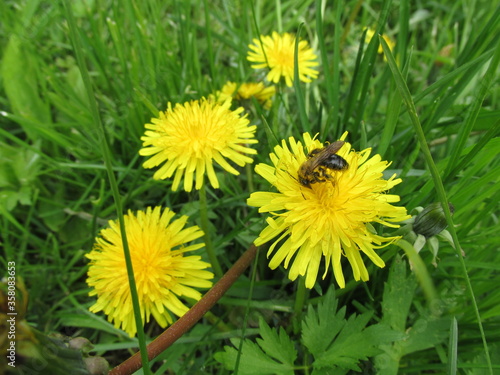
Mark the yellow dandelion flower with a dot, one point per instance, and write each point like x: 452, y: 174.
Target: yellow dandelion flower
x: 190, y: 136
x: 162, y: 272
x: 222, y: 96
x: 245, y: 91
x: 370, y: 33
x: 330, y: 218
x: 277, y: 53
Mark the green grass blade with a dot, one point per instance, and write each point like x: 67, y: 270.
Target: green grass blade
x: 469, y: 68
x: 361, y: 81
x: 404, y: 26
x: 279, y: 22
x: 324, y: 54
x: 301, y: 106
x: 464, y: 162
x: 331, y: 72
x: 438, y: 183
x: 392, y: 117
x: 452, y: 348
x: 368, y: 64
x: 353, y: 87
x: 393, y: 110
x: 464, y: 132
x: 208, y: 32
x: 487, y: 34
x: 420, y: 270
x: 112, y: 180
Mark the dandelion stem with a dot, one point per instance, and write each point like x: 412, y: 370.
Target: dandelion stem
x: 205, y: 227
x: 300, y: 300
x: 419, y: 269
x: 188, y: 320
x: 106, y: 152
x: 249, y: 173
x: 438, y: 183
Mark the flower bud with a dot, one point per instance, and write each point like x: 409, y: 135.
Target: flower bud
x: 96, y: 365
x: 80, y: 343
x: 431, y: 220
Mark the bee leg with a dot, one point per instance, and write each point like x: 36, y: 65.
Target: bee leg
x: 314, y: 152
x: 317, y: 177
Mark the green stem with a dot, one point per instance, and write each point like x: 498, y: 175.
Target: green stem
x: 205, y: 227
x: 438, y: 183
x: 301, y: 105
x: 188, y: 320
x: 279, y: 22
x: 420, y: 270
x: 249, y: 173
x: 300, y: 300
x: 75, y: 38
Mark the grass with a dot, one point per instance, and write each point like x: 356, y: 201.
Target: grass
x: 56, y: 194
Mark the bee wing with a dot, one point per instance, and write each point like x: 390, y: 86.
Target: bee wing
x: 332, y: 148
x: 319, y: 155
x: 315, y: 161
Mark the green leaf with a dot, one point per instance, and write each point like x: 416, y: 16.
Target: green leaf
x: 320, y: 320
x: 356, y: 342
x: 87, y: 320
x: 339, y: 344
x: 452, y: 347
x: 273, y: 354
x: 23, y: 90
x: 478, y: 364
x: 9, y: 199
x: 276, y: 345
x: 398, y: 294
x: 426, y: 332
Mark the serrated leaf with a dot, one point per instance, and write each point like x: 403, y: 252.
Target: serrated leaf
x: 274, y: 354
x: 398, y: 294
x: 338, y: 344
x: 329, y: 371
x: 320, y: 320
x: 357, y: 342
x: 278, y: 346
x: 425, y: 333
x: 479, y: 366
x: 253, y: 360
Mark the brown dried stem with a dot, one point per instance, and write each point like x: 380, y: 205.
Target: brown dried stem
x: 189, y: 319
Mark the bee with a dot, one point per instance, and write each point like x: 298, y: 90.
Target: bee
x: 320, y: 161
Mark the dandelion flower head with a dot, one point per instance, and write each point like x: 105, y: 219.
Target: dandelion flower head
x: 331, y: 219
x: 276, y: 52
x: 189, y: 137
x: 162, y: 270
x: 370, y: 33
x: 245, y: 91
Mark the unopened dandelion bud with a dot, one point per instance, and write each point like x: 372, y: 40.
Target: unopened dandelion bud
x: 431, y: 221
x: 80, y: 343
x: 96, y: 365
